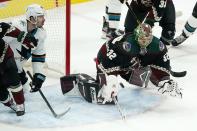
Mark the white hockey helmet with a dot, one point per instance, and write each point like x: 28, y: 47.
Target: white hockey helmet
x: 34, y: 11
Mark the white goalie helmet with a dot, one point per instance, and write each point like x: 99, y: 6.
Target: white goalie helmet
x: 34, y: 11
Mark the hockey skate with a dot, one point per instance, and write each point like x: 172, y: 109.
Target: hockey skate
x: 170, y: 87
x: 179, y: 39
x: 11, y: 105
x: 20, y: 110
x: 109, y: 33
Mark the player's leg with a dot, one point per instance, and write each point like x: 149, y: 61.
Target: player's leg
x: 189, y: 28
x: 111, y: 19
x: 24, y: 80
x: 168, y: 24
x: 13, y: 81
x: 5, y: 97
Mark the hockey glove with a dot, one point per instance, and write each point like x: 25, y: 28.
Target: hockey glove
x: 28, y: 40
x: 37, y: 82
x: 109, y: 89
x: 169, y: 87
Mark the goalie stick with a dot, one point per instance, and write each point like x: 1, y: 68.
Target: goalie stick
x: 173, y: 73
x: 123, y: 116
x: 46, y: 101
x: 133, y: 13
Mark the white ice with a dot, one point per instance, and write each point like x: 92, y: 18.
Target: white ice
x: 146, y: 110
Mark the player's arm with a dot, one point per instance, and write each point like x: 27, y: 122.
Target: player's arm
x: 27, y: 40
x: 38, y: 61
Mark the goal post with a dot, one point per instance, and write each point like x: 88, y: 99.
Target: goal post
x: 68, y: 32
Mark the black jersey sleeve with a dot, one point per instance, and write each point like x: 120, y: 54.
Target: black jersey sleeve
x: 3, y: 29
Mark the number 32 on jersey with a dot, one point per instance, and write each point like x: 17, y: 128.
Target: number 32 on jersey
x: 111, y: 54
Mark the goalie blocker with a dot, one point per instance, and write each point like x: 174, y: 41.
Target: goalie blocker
x: 89, y: 87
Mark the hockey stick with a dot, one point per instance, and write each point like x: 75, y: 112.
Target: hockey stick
x: 132, y: 12
x: 46, y: 101
x: 123, y: 116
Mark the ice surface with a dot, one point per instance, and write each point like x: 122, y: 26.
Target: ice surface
x: 146, y: 110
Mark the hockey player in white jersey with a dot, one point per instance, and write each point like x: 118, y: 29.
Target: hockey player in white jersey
x: 9, y: 77
x: 33, y: 26
x: 111, y: 19
x: 189, y: 28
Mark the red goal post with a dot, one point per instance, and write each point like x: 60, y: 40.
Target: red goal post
x: 68, y: 26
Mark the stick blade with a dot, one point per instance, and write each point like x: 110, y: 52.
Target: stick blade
x: 63, y: 113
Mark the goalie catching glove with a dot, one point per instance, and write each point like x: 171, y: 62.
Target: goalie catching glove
x: 37, y: 82
x: 169, y: 87
x: 109, y: 88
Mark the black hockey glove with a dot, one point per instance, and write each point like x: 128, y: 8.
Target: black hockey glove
x: 37, y: 82
x: 3, y: 29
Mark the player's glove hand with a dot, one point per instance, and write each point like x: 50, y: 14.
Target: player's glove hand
x: 37, y: 82
x: 106, y: 92
x: 27, y: 39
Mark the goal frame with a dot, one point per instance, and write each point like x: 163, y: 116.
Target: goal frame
x: 68, y: 32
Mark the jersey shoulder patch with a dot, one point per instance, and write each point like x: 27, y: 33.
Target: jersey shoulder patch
x: 126, y: 46
x: 161, y: 46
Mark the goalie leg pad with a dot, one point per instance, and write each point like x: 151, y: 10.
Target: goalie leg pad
x: 89, y: 91
x: 88, y: 87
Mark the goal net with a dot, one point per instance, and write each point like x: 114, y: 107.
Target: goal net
x: 55, y: 26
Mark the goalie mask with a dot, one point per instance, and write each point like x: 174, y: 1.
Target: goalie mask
x: 143, y: 35
x: 34, y: 11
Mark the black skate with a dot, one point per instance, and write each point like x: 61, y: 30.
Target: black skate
x: 109, y: 33
x: 179, y: 39
x: 12, y: 105
x: 20, y: 110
